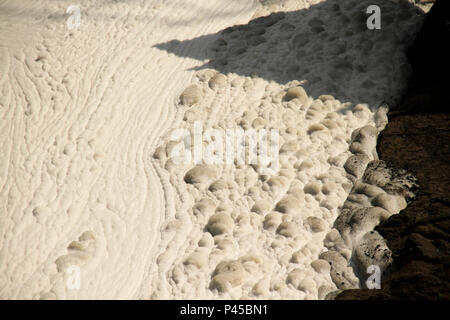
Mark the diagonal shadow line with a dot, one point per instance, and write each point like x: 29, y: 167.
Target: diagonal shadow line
x: 329, y: 45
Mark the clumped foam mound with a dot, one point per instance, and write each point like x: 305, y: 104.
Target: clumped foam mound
x: 282, y: 220
x: 378, y: 192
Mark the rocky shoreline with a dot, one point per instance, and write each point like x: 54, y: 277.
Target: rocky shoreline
x: 417, y: 138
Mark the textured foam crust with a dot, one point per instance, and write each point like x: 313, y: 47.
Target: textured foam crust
x: 246, y: 234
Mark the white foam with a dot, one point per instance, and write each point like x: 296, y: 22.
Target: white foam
x: 86, y: 177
